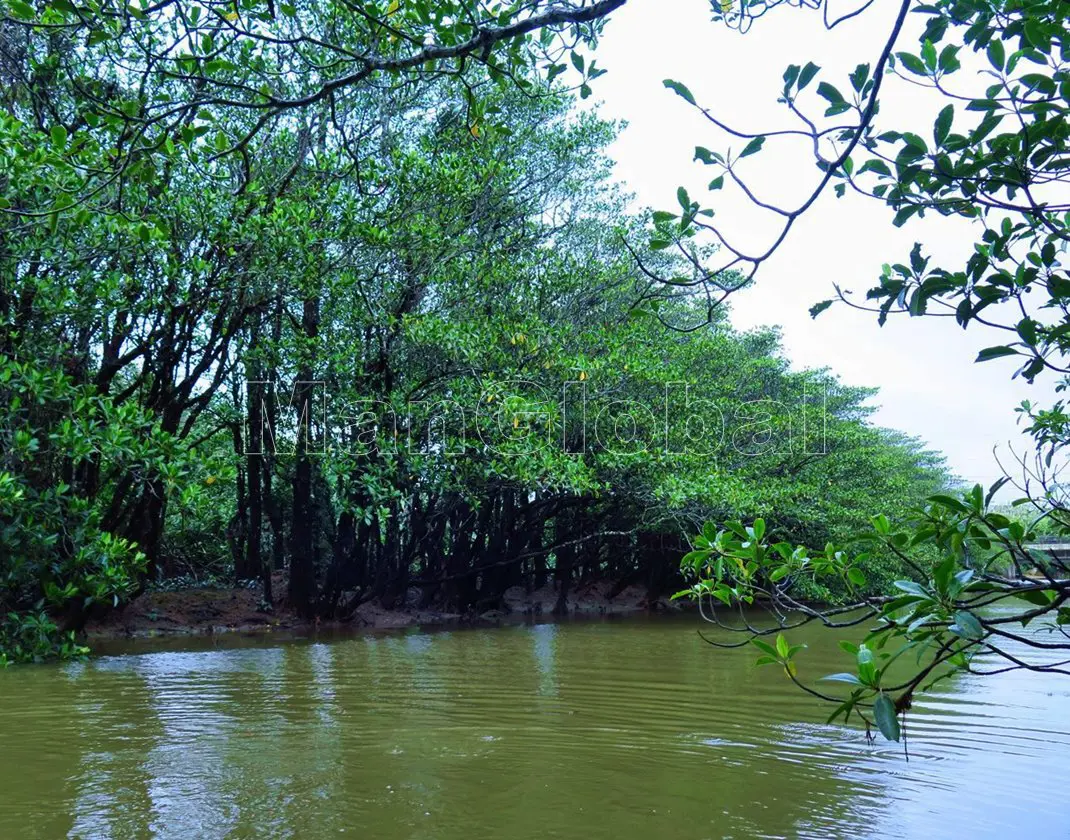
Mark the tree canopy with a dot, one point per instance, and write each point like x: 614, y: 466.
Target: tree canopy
x: 348, y: 292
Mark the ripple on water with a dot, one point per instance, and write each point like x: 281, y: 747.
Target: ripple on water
x: 618, y: 730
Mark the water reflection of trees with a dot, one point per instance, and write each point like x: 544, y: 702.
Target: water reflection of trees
x: 597, y: 730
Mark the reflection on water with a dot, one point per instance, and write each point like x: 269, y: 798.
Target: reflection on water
x: 603, y: 730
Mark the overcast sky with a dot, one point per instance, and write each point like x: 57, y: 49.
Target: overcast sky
x: 929, y: 385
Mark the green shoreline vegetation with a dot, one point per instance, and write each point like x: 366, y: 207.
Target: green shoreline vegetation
x: 215, y: 218
x: 453, y: 285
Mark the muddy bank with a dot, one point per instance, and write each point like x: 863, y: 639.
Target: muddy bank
x: 199, y: 612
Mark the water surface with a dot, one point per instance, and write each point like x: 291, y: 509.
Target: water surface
x: 622, y: 729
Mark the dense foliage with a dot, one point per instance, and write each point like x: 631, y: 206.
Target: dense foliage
x: 346, y: 291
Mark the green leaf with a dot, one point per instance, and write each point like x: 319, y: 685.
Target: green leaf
x: 912, y: 63
x: 680, y: 90
x: 59, y: 136
x: 917, y: 303
x: 830, y: 93
x: 752, y: 147
x: 847, y: 678
x: 949, y: 60
x: 20, y: 10
x: 942, y: 127
x: 764, y: 647
x: 949, y: 502
x: 911, y: 588
x: 807, y: 74
x: 867, y: 672
x: 967, y: 626
x: 818, y: 308
x: 902, y: 601
x: 859, y: 76
x: 1037, y: 35
x: 904, y: 214
x: 874, y: 165
x: 996, y: 54
x: 942, y: 574
x: 856, y: 576
x: 886, y: 719
x: 1038, y: 597
x: 219, y: 65
x: 990, y: 353
x: 928, y: 54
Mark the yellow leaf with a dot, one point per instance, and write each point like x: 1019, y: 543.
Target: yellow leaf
x: 583, y: 376
x: 475, y: 130
x: 726, y: 6
x: 393, y: 9
x: 516, y: 422
x: 210, y: 480
x: 231, y: 16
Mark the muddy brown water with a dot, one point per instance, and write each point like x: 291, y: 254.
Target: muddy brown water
x: 617, y: 729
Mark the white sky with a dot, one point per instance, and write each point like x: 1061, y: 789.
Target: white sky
x: 929, y: 385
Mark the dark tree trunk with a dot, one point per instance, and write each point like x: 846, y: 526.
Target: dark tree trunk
x: 254, y: 561
x: 240, y: 536
x: 563, y: 563
x: 303, y: 540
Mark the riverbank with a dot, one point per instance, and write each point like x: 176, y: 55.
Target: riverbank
x: 204, y: 612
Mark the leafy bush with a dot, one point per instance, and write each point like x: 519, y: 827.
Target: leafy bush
x: 58, y: 558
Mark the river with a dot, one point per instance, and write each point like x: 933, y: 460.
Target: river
x: 617, y: 729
